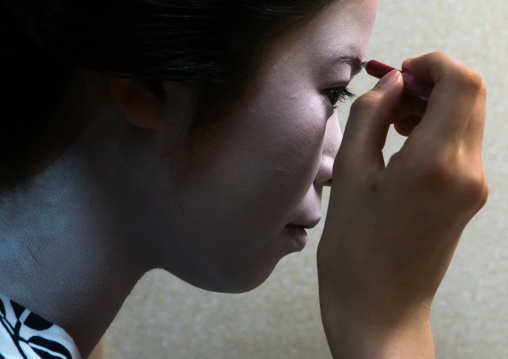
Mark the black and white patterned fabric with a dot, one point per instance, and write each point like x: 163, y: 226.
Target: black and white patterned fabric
x: 26, y: 335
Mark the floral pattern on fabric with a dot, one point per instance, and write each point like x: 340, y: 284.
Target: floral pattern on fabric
x: 26, y: 335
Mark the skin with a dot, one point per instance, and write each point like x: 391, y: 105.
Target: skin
x: 391, y: 230
x: 130, y: 194
x: 283, y: 133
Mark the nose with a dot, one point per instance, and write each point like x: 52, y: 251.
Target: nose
x: 331, y: 143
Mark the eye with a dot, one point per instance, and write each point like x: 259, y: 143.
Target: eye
x: 339, y: 94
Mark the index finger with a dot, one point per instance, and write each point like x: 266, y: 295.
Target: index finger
x: 453, y: 101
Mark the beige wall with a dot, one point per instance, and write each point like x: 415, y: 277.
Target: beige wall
x: 165, y: 318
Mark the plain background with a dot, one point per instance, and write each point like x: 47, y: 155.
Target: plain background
x: 166, y: 318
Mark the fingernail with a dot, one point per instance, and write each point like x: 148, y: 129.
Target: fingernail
x: 389, y: 78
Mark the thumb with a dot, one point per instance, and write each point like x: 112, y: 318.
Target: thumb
x: 369, y: 120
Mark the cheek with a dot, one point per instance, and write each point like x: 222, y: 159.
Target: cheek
x: 278, y: 153
x: 264, y: 156
x: 299, y: 141
x: 333, y: 137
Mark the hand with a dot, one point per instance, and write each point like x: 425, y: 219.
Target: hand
x: 391, y: 231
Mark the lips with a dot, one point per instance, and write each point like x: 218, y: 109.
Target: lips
x: 306, y: 224
x: 298, y: 235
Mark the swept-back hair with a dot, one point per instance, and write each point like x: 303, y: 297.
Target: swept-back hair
x: 213, y: 45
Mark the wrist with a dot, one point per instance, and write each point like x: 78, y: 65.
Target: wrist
x: 377, y: 335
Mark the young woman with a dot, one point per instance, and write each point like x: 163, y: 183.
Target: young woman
x: 196, y: 136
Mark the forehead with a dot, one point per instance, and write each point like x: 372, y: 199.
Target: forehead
x: 341, y: 32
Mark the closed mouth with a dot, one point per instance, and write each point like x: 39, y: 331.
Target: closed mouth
x: 299, y: 236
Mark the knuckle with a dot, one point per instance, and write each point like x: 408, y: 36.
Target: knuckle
x: 439, y: 57
x: 444, y: 177
x: 483, y: 90
x: 438, y: 60
x: 437, y: 175
x: 475, y: 190
x: 464, y: 77
x: 468, y: 80
x: 485, y: 195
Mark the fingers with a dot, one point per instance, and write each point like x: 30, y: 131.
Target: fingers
x: 405, y: 126
x: 455, y: 104
x: 444, y: 146
x: 389, y: 234
x: 473, y: 135
x: 409, y: 114
x: 449, y: 136
x: 451, y: 131
x: 369, y: 120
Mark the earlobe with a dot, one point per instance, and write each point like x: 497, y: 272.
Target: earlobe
x: 141, y: 101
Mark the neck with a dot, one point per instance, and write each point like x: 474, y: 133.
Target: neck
x: 59, y: 255
x: 76, y: 238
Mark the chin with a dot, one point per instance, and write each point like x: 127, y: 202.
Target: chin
x: 235, y: 278
x: 246, y: 279
x: 237, y: 283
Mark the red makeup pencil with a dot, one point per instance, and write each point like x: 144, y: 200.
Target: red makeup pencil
x: 412, y: 86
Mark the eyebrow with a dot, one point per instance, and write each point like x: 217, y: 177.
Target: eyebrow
x: 354, y: 61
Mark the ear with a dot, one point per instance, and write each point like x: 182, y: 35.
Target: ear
x: 141, y: 101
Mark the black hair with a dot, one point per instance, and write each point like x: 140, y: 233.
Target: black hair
x: 213, y: 45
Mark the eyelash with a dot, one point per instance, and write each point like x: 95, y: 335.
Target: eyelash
x: 339, y: 94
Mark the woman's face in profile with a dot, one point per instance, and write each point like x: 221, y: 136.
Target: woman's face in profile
x: 258, y: 175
